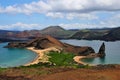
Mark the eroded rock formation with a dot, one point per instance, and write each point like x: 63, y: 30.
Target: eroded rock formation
x: 101, y: 52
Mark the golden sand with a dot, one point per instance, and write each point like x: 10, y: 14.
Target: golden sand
x: 78, y: 60
x: 42, y: 55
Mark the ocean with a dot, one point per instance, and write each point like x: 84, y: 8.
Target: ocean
x: 112, y: 50
x: 13, y: 57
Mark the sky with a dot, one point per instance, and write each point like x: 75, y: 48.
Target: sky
x: 69, y: 14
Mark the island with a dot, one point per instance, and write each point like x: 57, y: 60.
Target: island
x: 56, y: 59
x: 46, y: 44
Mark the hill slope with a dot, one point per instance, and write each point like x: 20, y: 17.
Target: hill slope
x: 108, y: 34
x: 54, y: 31
x: 48, y: 41
x: 57, y: 32
x: 89, y: 34
x: 114, y: 34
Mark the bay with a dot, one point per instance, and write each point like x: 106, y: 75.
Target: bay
x: 112, y: 50
x: 13, y: 57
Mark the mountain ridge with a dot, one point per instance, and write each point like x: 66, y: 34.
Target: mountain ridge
x: 107, y: 34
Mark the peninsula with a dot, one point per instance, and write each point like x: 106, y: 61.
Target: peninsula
x: 45, y: 44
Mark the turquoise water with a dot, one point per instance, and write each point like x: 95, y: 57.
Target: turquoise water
x: 12, y: 57
x: 112, y: 51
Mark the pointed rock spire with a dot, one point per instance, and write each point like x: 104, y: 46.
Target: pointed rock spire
x: 101, y: 52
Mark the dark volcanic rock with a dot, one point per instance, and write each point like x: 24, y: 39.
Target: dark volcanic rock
x: 101, y: 52
x: 16, y: 45
x: 48, y: 41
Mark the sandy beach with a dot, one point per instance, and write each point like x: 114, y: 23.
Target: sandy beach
x: 78, y: 60
x: 42, y: 57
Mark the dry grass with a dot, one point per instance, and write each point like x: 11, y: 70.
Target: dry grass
x: 59, y: 73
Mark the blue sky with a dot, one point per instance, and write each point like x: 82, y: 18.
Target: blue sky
x: 72, y: 14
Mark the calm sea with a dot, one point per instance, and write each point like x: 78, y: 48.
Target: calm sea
x: 12, y: 57
x: 112, y: 51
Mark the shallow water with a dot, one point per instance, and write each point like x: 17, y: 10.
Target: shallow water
x: 112, y: 50
x: 12, y: 57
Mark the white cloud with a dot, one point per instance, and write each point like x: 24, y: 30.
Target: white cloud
x: 20, y: 26
x: 60, y: 8
x: 68, y: 9
x: 55, y: 15
x: 103, y: 24
x: 113, y: 21
x: 81, y: 16
x: 110, y: 22
x: 79, y: 26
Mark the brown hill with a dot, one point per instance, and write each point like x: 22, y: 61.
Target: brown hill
x: 48, y: 41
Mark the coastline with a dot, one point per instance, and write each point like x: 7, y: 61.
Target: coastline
x: 78, y: 60
x: 42, y: 55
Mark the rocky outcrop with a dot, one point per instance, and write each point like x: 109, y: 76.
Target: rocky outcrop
x: 16, y: 45
x: 48, y: 41
x: 101, y: 52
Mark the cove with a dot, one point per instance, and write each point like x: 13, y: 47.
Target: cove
x: 13, y: 57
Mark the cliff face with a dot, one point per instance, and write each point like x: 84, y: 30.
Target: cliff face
x: 48, y: 41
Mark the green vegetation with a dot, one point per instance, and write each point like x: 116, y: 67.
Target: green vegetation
x: 2, y: 70
x: 85, y: 30
x: 57, y: 60
x: 39, y: 65
x: 62, y: 59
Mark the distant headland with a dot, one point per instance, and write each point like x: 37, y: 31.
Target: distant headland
x: 106, y: 34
